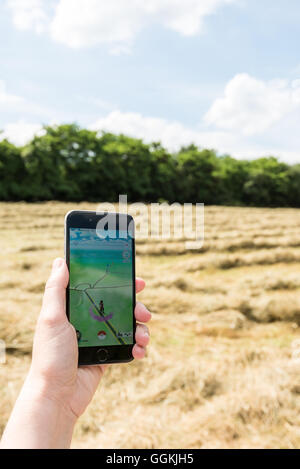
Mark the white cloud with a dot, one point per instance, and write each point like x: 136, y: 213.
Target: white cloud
x: 8, y: 100
x: 185, y: 17
x: 173, y: 135
x: 80, y: 23
x: 28, y: 14
x: 251, y: 106
x: 13, y: 104
x: 20, y: 132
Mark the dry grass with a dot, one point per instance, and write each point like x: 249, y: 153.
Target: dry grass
x: 223, y: 365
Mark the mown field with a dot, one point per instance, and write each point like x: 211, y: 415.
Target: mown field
x: 223, y: 368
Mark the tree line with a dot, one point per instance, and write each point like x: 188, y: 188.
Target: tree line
x: 72, y: 164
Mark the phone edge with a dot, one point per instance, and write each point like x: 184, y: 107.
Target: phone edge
x: 67, y: 260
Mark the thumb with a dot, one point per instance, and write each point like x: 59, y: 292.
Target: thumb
x: 54, y: 302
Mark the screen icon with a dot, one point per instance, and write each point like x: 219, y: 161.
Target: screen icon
x: 101, y: 335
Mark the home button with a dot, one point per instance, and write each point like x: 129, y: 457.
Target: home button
x: 102, y: 355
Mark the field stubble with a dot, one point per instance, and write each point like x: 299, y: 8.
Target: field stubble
x: 223, y: 365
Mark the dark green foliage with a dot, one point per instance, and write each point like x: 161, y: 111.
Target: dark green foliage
x: 267, y: 183
x: 12, y: 172
x: 196, y: 176
x: 69, y: 163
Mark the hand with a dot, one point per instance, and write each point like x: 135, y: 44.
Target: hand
x: 60, y: 390
x: 55, y: 350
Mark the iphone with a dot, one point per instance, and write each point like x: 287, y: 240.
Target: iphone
x: 100, y: 254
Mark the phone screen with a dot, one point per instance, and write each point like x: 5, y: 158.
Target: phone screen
x: 101, y: 287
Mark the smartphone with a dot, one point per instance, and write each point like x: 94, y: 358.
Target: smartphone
x: 100, y: 300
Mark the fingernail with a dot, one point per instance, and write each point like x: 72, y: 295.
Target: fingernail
x: 57, y: 263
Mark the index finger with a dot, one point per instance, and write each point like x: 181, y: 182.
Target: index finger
x: 139, y: 284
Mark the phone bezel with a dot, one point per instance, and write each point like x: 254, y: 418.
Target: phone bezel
x: 89, y: 219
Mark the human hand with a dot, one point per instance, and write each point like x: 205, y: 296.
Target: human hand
x: 60, y: 389
x: 55, y: 350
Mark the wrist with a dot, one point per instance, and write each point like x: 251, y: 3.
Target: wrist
x: 39, y: 419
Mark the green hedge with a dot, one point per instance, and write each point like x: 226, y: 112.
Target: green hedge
x: 71, y: 164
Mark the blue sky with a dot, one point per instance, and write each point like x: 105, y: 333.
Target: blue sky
x: 221, y: 73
